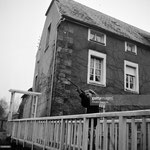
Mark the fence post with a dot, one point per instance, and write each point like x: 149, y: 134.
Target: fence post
x: 61, y: 135
x: 25, y: 134
x: 45, y: 135
x: 105, y: 134
x: 143, y: 133
x: 122, y: 133
x: 18, y: 133
x: 148, y: 135
x: 85, y: 133
x: 133, y: 134
x: 11, y: 106
x: 33, y: 133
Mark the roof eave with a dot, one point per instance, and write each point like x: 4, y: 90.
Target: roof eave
x: 97, y: 27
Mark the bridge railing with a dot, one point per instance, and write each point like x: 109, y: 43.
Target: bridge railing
x: 101, y: 131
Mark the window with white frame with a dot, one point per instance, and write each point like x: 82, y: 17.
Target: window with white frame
x: 96, y: 68
x: 97, y: 36
x: 131, y: 77
x: 130, y: 47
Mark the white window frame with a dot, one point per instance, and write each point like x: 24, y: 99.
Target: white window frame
x: 133, y: 45
x: 103, y: 57
x: 89, y: 37
x: 134, y: 65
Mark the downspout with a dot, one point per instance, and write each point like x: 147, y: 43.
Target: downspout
x: 53, y: 70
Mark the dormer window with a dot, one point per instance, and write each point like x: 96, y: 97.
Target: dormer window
x: 97, y: 36
x: 129, y: 47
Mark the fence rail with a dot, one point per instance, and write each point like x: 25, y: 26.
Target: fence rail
x: 101, y: 131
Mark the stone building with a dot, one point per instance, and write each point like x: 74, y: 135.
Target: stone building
x: 94, y: 51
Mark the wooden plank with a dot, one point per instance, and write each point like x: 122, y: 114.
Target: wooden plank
x: 25, y: 134
x: 112, y: 132
x: 144, y: 133
x: 127, y: 136
x: 70, y: 134
x: 48, y: 133
x: 95, y: 115
x: 19, y: 130
x: 75, y: 132
x: 66, y: 135
x: 33, y: 133
x: 54, y: 134
x: 105, y: 134
x: 79, y: 134
x: 97, y: 138
x: 116, y: 136
x: 148, y: 135
x: 61, y: 135
x: 122, y: 133
x: 85, y: 133
x: 91, y: 134
x: 11, y: 106
x: 24, y: 92
x: 133, y: 135
x: 57, y: 134
x: 101, y: 136
x: 45, y: 135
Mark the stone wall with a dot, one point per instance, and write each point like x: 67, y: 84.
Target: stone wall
x: 72, y: 62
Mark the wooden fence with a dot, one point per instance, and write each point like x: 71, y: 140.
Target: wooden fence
x: 101, y: 131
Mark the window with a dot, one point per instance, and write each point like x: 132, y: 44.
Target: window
x: 96, y: 36
x: 129, y: 47
x: 48, y: 35
x: 131, y: 79
x: 97, y: 68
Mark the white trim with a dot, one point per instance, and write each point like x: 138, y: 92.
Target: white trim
x: 135, y: 47
x: 134, y: 65
x: 103, y: 57
x: 89, y: 33
x: 24, y: 92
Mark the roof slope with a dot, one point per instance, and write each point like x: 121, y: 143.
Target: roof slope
x: 90, y: 16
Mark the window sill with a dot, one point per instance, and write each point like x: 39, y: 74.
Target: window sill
x: 103, y: 44
x: 97, y: 84
x: 131, y: 91
x: 132, y: 53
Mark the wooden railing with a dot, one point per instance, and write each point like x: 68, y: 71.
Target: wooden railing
x: 100, y: 131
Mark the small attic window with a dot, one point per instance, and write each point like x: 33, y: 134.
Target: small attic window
x: 97, y: 36
x: 129, y: 47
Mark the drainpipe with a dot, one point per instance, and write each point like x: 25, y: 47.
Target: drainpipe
x: 54, y: 55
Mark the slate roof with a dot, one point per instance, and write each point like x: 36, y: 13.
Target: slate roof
x: 84, y: 14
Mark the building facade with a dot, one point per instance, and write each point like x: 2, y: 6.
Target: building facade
x: 94, y: 51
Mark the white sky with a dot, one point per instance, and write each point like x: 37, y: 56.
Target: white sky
x: 21, y: 25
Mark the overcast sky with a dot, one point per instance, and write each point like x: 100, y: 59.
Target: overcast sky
x: 21, y: 25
